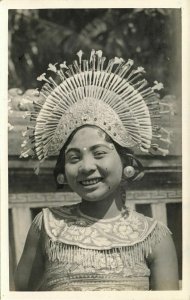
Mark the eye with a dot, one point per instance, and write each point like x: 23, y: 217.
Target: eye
x: 72, y: 159
x: 99, y: 154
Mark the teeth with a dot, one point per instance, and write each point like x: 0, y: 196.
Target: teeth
x: 90, y: 181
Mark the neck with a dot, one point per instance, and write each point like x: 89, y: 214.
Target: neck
x: 103, y: 209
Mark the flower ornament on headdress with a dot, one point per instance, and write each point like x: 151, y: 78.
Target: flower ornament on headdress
x: 112, y: 96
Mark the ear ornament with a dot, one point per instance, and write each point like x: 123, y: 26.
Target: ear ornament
x: 60, y: 178
x: 128, y: 172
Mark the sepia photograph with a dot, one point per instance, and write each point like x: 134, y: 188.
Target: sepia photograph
x: 95, y: 149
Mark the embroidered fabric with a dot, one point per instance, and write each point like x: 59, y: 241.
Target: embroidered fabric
x: 70, y: 226
x: 84, y: 253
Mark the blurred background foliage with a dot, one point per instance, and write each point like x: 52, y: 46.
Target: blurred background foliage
x: 152, y: 37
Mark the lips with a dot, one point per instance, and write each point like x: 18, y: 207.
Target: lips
x: 89, y: 182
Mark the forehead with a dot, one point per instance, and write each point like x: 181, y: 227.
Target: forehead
x: 87, y: 137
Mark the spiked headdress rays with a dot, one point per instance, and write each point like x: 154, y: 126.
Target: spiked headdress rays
x: 112, y: 96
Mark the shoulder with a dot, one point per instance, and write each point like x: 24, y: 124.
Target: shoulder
x: 57, y: 218
x: 60, y: 212
x: 37, y: 222
x: 56, y: 212
x: 150, y: 231
x: 32, y: 256
x: 162, y: 259
x: 163, y: 244
x: 49, y: 219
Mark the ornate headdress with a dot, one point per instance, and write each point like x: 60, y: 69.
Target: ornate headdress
x: 112, y: 96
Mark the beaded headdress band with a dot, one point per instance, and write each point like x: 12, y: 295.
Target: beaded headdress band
x: 112, y: 96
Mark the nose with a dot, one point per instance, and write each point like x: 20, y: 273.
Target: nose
x: 87, y: 165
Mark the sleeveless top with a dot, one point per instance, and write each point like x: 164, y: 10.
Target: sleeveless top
x: 84, y: 253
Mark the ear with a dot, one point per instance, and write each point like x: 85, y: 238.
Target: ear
x: 60, y: 178
x: 59, y: 171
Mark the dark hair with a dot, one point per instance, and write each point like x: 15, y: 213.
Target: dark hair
x: 126, y: 154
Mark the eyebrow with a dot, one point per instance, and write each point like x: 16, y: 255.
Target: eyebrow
x: 72, y: 149
x: 91, y: 148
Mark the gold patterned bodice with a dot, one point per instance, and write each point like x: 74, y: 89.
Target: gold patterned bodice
x: 84, y: 253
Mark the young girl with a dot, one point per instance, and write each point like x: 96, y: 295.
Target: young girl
x: 92, y: 120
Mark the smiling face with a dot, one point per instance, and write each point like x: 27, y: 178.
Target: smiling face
x: 92, y: 165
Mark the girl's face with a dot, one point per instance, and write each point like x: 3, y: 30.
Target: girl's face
x: 92, y: 165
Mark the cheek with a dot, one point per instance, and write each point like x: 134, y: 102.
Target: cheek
x: 117, y: 175
x: 114, y: 169
x: 70, y: 172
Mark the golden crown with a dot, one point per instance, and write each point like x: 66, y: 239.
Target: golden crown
x: 112, y: 96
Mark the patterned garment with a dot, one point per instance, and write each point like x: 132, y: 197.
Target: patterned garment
x: 84, y: 253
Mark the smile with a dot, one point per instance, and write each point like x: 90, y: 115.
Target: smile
x: 90, y: 181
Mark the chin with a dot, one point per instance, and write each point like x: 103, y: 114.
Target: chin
x: 94, y: 197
